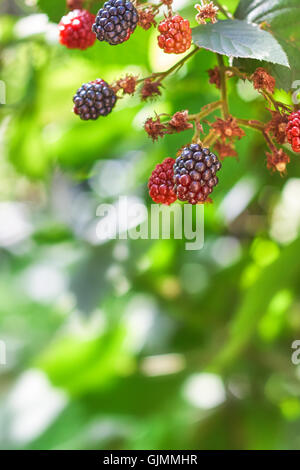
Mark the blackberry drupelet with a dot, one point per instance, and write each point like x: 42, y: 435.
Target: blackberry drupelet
x: 161, y: 183
x: 293, y: 131
x: 94, y: 99
x: 195, y: 174
x: 75, y: 30
x: 115, y: 21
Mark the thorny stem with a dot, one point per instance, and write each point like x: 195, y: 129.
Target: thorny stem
x: 223, y: 87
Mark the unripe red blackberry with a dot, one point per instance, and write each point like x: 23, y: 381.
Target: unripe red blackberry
x: 75, y: 29
x: 94, y: 99
x: 195, y: 174
x: 176, y: 35
x: 161, y: 183
x: 115, y: 21
x: 293, y: 131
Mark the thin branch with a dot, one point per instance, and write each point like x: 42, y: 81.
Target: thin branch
x: 269, y: 142
x: 253, y: 124
x: 260, y: 127
x: 223, y: 87
x: 205, y: 111
x: 210, y: 139
x: 161, y: 75
x: 276, y: 104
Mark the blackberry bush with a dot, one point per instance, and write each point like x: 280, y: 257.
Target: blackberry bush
x: 196, y: 167
x: 115, y: 21
x: 94, y: 99
x: 195, y: 174
x: 75, y: 30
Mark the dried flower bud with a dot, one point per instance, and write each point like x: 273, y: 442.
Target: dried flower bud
x: 262, y: 80
x: 206, y: 11
x: 215, y: 77
x: 150, y: 89
x: 147, y: 18
x: 225, y: 150
x: 155, y: 128
x: 277, y: 126
x: 126, y: 84
x: 228, y: 129
x: 277, y: 161
x: 179, y: 122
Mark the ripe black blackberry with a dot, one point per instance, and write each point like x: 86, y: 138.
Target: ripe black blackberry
x: 115, y: 21
x: 195, y: 174
x: 94, y: 99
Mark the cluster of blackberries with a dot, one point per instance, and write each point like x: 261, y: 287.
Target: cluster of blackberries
x: 293, y: 131
x: 192, y: 178
x: 115, y: 21
x: 94, y: 99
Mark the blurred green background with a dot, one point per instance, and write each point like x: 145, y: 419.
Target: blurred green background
x: 137, y: 344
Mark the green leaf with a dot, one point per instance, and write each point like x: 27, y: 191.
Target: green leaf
x: 54, y: 9
x: 279, y: 13
x: 235, y: 38
x: 283, y: 18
